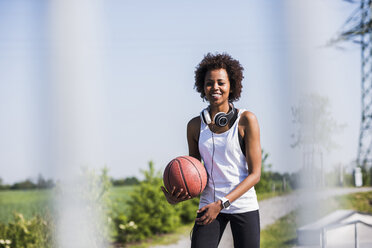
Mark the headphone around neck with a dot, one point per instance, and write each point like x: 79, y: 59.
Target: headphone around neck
x: 221, y: 119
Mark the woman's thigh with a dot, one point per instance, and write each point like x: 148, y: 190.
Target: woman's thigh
x: 208, y: 236
x: 245, y: 228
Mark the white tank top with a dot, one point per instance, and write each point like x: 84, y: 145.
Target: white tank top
x: 228, y: 170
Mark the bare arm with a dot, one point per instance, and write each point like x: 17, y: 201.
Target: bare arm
x: 253, y: 155
x: 193, y: 130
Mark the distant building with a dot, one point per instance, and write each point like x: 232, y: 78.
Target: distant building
x: 341, y: 229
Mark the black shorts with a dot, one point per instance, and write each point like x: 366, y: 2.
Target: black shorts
x: 245, y: 229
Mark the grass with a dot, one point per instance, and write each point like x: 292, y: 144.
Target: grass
x: 33, y: 202
x: 120, y: 192
x: 283, y: 232
x: 37, y: 202
x: 119, y: 195
x: 360, y: 202
x: 267, y: 195
x: 27, y: 202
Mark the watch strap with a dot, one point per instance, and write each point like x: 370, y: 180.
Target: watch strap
x: 225, y: 203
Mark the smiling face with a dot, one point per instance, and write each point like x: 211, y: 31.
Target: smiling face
x: 217, y: 87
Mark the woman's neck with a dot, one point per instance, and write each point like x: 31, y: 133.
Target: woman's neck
x: 220, y: 108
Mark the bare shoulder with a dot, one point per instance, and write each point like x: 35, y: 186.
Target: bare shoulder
x: 194, y: 122
x: 248, y: 118
x: 248, y: 124
x: 194, y: 125
x: 193, y: 130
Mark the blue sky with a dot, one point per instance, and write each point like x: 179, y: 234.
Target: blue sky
x: 141, y: 97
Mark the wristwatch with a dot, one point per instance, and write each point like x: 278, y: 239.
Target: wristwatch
x: 225, y: 203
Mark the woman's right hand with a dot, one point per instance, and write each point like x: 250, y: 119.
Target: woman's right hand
x: 175, y: 197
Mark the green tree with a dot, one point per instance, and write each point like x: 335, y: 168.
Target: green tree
x: 315, y: 129
x: 125, y: 181
x: 149, y: 212
x: 148, y: 207
x: 265, y: 181
x: 27, y: 184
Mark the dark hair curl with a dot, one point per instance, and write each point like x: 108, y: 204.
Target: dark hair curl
x: 220, y: 61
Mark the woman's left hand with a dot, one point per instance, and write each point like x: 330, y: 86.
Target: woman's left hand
x: 210, y: 213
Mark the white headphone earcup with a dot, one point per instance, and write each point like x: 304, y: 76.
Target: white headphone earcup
x: 206, y: 117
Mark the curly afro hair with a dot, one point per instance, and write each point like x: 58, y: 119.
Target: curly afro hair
x: 220, y: 61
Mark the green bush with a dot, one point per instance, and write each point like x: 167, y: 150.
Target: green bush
x: 187, y: 210
x: 149, y: 213
x: 148, y: 209
x: 34, y: 233
x: 93, y: 191
x: 38, y: 231
x: 264, y: 185
x: 272, y: 181
x: 124, y: 231
x: 366, y: 175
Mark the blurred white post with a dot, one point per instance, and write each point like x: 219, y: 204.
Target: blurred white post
x: 341, y: 168
x: 356, y: 235
x: 76, y: 83
x: 358, y: 177
x: 323, y: 238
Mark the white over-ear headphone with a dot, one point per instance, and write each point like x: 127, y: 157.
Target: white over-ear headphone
x: 221, y: 119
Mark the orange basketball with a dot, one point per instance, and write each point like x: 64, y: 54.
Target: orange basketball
x: 187, y: 173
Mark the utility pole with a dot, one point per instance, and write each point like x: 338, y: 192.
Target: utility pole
x: 358, y: 29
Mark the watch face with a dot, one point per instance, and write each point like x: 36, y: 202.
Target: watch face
x: 226, y: 204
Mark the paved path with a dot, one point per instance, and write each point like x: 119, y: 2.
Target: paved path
x: 274, y: 208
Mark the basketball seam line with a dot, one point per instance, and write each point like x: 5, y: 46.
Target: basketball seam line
x: 201, y: 180
x: 183, y: 177
x: 169, y: 168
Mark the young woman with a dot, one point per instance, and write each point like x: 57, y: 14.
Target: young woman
x: 227, y: 140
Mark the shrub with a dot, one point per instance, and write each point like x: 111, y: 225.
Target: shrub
x: 366, y: 175
x: 84, y: 202
x: 187, y: 210
x: 148, y: 208
x: 125, y: 231
x: 34, y: 233
x: 150, y: 213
